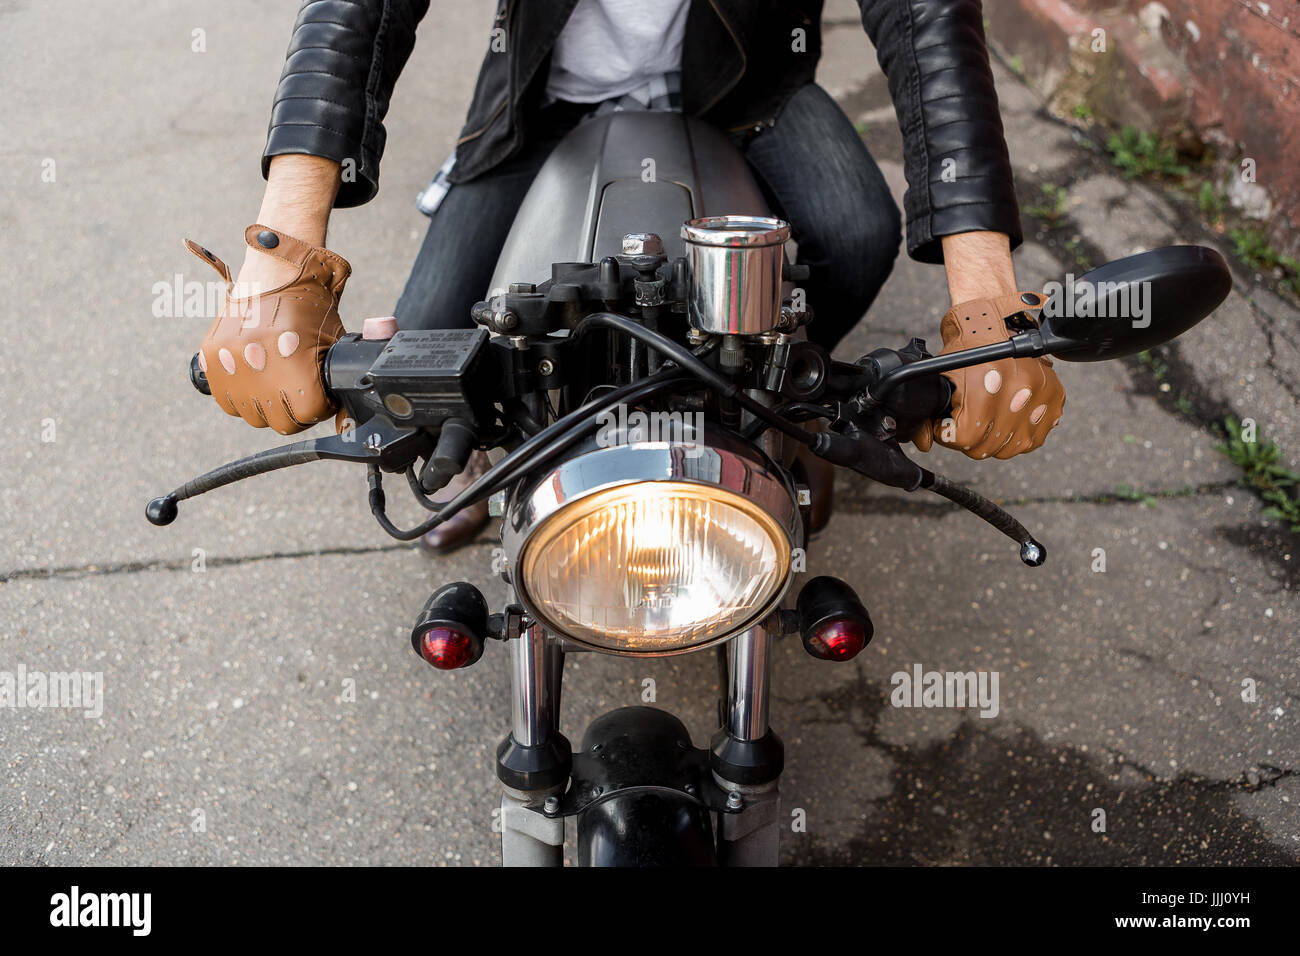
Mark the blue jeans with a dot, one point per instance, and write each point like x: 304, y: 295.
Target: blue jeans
x: 811, y: 165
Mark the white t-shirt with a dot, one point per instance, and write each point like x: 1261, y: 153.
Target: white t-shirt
x: 611, y: 48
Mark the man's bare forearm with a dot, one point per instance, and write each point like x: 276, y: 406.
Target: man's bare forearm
x: 299, y: 196
x: 978, y: 265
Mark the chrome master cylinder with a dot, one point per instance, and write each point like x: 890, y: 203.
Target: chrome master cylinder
x: 736, y: 266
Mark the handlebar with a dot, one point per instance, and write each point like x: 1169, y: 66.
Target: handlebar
x: 407, y: 391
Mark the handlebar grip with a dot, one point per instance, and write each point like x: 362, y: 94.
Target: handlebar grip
x: 924, y: 399
x: 199, y: 378
x: 947, y: 389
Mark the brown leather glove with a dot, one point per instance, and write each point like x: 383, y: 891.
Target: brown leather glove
x: 263, y: 354
x: 1002, y: 408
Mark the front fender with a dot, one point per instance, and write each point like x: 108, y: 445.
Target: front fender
x: 647, y: 782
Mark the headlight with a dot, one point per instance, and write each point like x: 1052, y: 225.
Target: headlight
x: 640, y: 549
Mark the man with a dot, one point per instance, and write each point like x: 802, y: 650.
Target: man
x: 747, y: 67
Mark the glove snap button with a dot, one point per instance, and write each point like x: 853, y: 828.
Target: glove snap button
x: 267, y: 239
x: 1028, y: 298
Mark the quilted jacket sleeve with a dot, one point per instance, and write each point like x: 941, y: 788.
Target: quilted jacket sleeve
x: 343, y: 61
x: 955, y: 154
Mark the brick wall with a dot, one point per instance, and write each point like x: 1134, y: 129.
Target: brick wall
x: 1224, y: 72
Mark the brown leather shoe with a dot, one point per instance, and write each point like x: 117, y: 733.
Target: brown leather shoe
x: 465, y: 525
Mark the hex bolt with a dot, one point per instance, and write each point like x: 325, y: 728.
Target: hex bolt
x: 642, y: 244
x: 734, y: 800
x: 552, y: 806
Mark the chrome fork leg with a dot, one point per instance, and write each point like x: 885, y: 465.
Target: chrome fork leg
x: 531, y: 688
x: 533, y: 762
x: 748, y: 684
x: 747, y: 757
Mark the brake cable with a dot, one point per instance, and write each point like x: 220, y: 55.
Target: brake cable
x: 551, y: 440
x: 690, y: 363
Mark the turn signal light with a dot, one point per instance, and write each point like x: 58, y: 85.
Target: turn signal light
x: 839, y: 639
x: 450, y: 629
x: 447, y: 649
x: 832, y: 621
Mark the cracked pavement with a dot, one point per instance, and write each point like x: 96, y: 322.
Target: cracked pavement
x: 273, y: 695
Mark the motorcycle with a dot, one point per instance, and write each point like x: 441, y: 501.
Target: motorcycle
x: 642, y: 370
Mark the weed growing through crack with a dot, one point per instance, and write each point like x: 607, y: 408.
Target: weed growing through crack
x: 1051, y: 212
x: 1261, y: 461
x: 1211, y: 203
x: 1139, y: 153
x: 1252, y: 248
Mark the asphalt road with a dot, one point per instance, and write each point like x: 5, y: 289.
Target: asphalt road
x: 261, y: 703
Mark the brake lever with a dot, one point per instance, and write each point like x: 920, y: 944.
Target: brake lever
x: 1032, y: 551
x: 882, y: 460
x: 377, y: 442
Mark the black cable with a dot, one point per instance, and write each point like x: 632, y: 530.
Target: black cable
x: 808, y: 409
x: 612, y: 396
x: 690, y: 363
x: 522, y: 417
x: 424, y: 500
x: 524, y: 458
x: 646, y: 388
x: 683, y: 356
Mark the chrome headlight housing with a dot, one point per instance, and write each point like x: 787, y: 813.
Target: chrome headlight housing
x: 654, y: 548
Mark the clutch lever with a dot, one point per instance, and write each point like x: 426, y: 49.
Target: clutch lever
x: 378, y: 442
x: 882, y: 460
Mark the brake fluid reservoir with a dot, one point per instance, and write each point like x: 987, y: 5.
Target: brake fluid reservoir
x: 736, y: 268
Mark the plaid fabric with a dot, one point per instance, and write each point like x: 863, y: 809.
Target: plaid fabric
x: 662, y: 94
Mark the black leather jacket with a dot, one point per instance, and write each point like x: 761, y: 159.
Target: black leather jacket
x: 741, y: 62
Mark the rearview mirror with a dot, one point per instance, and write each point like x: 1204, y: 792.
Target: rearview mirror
x: 1133, y: 304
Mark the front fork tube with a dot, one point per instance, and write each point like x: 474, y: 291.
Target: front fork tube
x: 534, y: 761
x: 747, y: 757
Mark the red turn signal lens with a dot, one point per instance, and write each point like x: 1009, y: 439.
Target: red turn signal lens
x: 833, y: 623
x: 839, y: 639
x: 449, y: 632
x: 447, y: 649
